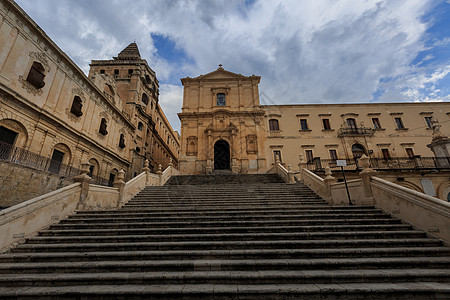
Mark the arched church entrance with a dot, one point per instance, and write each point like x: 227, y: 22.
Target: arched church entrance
x: 221, y: 155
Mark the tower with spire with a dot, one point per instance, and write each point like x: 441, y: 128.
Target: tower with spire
x: 138, y: 89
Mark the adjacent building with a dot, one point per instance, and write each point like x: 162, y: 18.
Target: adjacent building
x: 53, y: 117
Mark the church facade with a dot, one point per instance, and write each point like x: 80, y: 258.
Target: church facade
x: 222, y: 124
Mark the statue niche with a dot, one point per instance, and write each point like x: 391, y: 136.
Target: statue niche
x: 252, y: 146
x: 191, y: 146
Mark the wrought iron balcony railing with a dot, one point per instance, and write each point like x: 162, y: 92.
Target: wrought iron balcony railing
x: 382, y: 164
x: 27, y: 158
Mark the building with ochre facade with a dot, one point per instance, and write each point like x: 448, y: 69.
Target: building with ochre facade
x: 223, y: 126
x: 53, y: 117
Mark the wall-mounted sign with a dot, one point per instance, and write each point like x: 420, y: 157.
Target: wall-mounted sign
x: 341, y: 162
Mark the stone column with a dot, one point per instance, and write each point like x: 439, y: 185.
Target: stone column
x: 234, y: 165
x: 365, y: 175
x: 120, y: 184
x: 85, y: 180
x: 209, y: 161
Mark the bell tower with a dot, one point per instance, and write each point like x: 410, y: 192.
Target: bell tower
x: 222, y: 124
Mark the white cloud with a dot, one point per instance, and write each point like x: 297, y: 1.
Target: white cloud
x: 318, y: 51
x: 171, y: 100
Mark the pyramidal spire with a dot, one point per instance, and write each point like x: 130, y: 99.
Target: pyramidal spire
x: 130, y: 52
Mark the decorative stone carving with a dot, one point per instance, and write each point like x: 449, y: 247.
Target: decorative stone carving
x: 29, y: 87
x: 251, y: 142
x: 42, y: 58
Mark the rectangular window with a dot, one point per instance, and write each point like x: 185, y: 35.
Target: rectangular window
x: 309, y: 156
x: 275, y: 154
x: 409, y: 152
x: 273, y: 125
x: 220, y: 99
x: 333, y: 154
x: 386, y: 154
x: 326, y: 124
x: 303, y: 124
x: 376, y: 123
x: 399, y: 123
x: 429, y: 121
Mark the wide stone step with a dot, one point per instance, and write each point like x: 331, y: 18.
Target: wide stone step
x: 226, y: 237
x: 370, y: 291
x: 226, y: 265
x: 254, y: 254
x: 182, y: 204
x: 232, y: 229
x: 151, y: 213
x: 229, y: 277
x: 244, y: 223
x: 127, y: 219
x: 229, y: 245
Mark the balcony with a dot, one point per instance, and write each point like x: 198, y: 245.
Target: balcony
x: 351, y: 131
x: 274, y: 133
x: 382, y: 164
x: 32, y: 160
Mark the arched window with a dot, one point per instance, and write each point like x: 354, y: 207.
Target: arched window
x: 351, y: 123
x: 122, y: 141
x: 36, y: 75
x: 130, y: 71
x: 102, y: 71
x: 77, y: 104
x: 220, y: 99
x: 103, y: 126
x: 145, y: 98
x: 140, y: 126
x: 273, y: 125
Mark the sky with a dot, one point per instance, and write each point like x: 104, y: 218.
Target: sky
x: 321, y: 51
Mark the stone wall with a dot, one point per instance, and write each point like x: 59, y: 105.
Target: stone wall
x: 20, y: 183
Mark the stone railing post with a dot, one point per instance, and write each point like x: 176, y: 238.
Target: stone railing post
x: 85, y: 180
x: 291, y: 177
x: 146, y: 169
x: 301, y: 165
x: 159, y: 172
x: 328, y: 180
x: 365, y: 175
x: 120, y: 184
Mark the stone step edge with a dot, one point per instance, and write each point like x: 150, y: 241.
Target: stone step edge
x: 260, y: 274
x: 249, y: 252
x: 325, y: 243
x: 260, y: 291
x: 229, y: 235
x: 217, y: 264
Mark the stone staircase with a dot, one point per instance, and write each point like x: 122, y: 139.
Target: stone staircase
x: 239, y: 237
